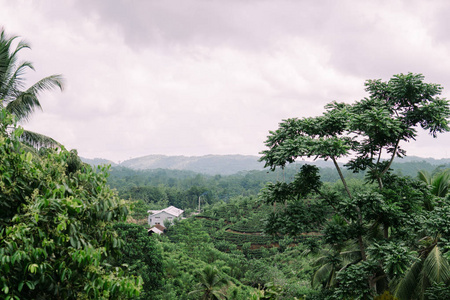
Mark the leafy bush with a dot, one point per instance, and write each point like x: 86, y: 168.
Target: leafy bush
x: 56, y: 232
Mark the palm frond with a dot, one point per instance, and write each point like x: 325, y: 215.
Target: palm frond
x: 23, y: 106
x: 323, y: 274
x: 210, y: 283
x: 350, y: 256
x: 374, y: 231
x: 424, y: 176
x: 21, y: 45
x: 433, y: 269
x: 321, y: 260
x: 38, y: 140
x: 406, y: 286
x: 440, y: 184
x: 26, y: 102
x: 11, y: 84
x: 217, y: 294
x: 47, y: 83
x: 19, y: 102
x: 16, y: 81
x: 436, y: 267
x: 7, y: 60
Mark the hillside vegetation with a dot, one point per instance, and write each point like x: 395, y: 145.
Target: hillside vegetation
x: 232, y: 164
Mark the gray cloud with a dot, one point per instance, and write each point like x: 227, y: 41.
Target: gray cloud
x: 198, y: 77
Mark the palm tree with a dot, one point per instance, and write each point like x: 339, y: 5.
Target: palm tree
x: 431, y: 268
x: 439, y: 182
x: 14, y: 97
x: 210, y: 284
x: 334, y: 259
x: 330, y: 263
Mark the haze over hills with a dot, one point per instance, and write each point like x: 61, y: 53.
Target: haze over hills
x: 207, y: 164
x: 228, y: 164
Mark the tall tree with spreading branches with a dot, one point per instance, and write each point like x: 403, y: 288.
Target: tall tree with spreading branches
x: 370, y: 134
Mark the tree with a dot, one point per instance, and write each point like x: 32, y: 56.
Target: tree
x: 56, y: 218
x: 190, y: 234
x: 432, y: 266
x: 370, y: 133
x: 142, y: 255
x: 439, y: 183
x: 13, y: 97
x: 210, y: 284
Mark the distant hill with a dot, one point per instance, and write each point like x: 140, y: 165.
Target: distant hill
x: 97, y: 161
x: 232, y: 164
x: 430, y: 160
x: 208, y: 164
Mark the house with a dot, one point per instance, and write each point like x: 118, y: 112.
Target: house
x: 158, y: 229
x: 159, y: 216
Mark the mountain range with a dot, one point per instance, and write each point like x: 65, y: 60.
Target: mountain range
x: 223, y: 164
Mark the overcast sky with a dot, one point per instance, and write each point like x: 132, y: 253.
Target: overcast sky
x: 197, y: 77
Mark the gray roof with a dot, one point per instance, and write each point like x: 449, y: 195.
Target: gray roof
x: 170, y: 210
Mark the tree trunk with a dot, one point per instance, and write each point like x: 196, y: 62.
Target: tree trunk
x: 341, y: 176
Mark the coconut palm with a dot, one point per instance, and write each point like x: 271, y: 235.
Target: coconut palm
x: 439, y: 182
x: 431, y: 268
x: 210, y: 284
x: 14, y: 97
x: 329, y: 263
x: 335, y: 258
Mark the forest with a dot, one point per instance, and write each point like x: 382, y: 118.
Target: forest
x: 370, y: 228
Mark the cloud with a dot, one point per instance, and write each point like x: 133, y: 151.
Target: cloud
x: 213, y: 77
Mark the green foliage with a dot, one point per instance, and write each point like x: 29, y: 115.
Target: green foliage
x: 388, y: 221
x: 298, y: 217
x: 142, y: 254
x: 56, y: 227
x: 381, y: 121
x: 184, y: 266
x: 189, y: 232
x: 192, y: 244
x: 210, y: 283
x: 430, y: 269
x: 438, y: 291
x: 394, y: 256
x: 352, y: 282
x: 364, y: 239
x: 439, y: 182
x: 386, y: 296
x: 19, y: 102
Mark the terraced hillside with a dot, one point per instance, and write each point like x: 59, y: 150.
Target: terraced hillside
x: 239, y: 225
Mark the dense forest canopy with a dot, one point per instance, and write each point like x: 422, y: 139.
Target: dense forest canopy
x: 159, y: 188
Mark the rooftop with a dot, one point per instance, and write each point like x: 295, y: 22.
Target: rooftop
x: 170, y: 210
x: 157, y: 229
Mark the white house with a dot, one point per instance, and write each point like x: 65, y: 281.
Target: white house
x: 159, y: 216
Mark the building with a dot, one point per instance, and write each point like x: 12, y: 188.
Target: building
x: 158, y: 229
x: 159, y: 216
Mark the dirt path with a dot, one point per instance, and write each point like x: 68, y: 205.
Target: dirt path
x: 211, y: 219
x: 245, y: 233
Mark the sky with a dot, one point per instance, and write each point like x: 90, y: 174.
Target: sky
x: 199, y: 77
